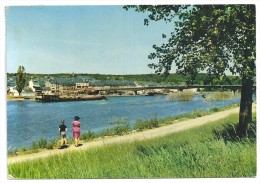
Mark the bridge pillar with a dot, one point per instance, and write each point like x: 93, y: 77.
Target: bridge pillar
x: 135, y: 91
x: 180, y: 89
x: 234, y: 91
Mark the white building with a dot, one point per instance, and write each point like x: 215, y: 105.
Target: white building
x: 33, y: 84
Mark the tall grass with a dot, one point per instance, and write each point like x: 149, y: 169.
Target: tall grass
x: 220, y: 96
x: 181, y: 96
x: 121, y: 127
x: 35, y: 147
x: 147, y: 124
x: 199, y: 152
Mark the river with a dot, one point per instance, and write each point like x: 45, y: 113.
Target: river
x: 30, y: 120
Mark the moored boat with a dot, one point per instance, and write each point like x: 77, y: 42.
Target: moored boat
x: 58, y: 98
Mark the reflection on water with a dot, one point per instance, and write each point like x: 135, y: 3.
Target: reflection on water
x: 30, y: 120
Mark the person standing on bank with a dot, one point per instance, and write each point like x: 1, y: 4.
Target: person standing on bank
x: 76, y: 130
x: 63, y: 130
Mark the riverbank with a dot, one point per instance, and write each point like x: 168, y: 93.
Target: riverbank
x: 218, y: 94
x: 11, y: 98
x: 208, y: 151
x: 136, y: 136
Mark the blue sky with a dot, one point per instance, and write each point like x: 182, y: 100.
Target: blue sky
x: 80, y: 39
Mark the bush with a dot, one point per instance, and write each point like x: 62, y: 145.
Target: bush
x: 120, y: 130
x: 12, y: 151
x: 147, y: 124
x: 220, y: 96
x: 229, y: 133
x: 43, y: 143
x: 181, y: 96
x: 215, y: 109
x: 23, y: 149
x: 51, y: 144
x: 199, y: 113
x: 121, y: 127
x: 88, y: 135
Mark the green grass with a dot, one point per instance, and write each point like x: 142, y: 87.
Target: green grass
x: 206, y: 151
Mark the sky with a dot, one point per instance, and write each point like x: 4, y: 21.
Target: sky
x: 103, y: 39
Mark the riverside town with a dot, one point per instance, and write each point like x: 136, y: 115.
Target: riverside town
x: 76, y: 87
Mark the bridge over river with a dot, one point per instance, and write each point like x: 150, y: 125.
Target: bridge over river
x: 178, y: 87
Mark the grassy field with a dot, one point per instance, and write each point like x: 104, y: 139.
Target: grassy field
x: 213, y: 150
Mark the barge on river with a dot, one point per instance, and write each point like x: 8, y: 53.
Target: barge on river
x: 59, y: 98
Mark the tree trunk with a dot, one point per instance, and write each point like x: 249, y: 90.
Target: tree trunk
x: 245, y: 113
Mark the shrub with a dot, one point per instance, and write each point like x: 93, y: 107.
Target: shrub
x: 229, y: 133
x: 12, y: 151
x: 147, y: 124
x: 43, y: 143
x: 51, y: 144
x: 23, y: 149
x: 88, y: 135
x: 199, y: 113
x: 121, y: 126
x: 181, y: 96
x: 220, y: 96
x: 120, y: 130
x: 215, y: 109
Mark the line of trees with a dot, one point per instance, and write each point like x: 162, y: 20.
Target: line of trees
x: 174, y: 79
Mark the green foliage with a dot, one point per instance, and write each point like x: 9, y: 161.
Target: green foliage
x: 39, y: 144
x: 215, y: 109
x: 211, y: 38
x: 121, y: 126
x: 20, y: 79
x: 199, y: 113
x: 230, y: 133
x: 23, y: 149
x: 88, y: 135
x: 43, y: 143
x: 147, y: 124
x: 172, y: 79
x: 12, y: 151
x: 52, y: 144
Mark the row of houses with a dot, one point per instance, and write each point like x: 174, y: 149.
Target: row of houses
x: 67, y: 85
x: 79, y: 85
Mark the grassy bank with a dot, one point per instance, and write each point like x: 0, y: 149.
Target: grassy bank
x: 213, y: 150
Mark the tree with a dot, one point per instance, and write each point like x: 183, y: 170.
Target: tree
x: 20, y: 79
x: 211, y: 38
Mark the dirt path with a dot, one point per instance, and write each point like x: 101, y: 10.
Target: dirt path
x: 148, y: 134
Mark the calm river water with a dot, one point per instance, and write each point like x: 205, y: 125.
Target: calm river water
x: 30, y: 120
